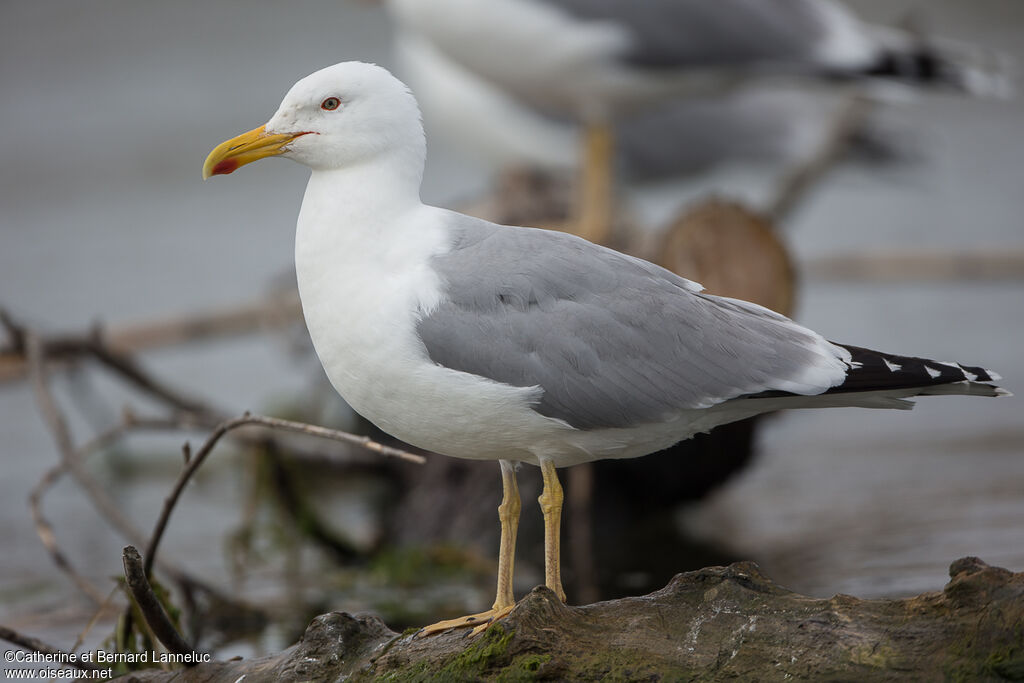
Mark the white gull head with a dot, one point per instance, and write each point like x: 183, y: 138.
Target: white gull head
x: 341, y: 116
x: 357, y: 111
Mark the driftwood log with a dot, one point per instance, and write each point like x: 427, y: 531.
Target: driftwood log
x: 715, y: 624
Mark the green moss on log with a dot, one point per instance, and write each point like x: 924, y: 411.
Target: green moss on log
x: 716, y: 624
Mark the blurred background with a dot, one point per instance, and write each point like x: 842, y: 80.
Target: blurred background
x: 108, y: 110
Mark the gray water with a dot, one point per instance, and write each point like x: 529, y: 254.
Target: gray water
x: 109, y: 107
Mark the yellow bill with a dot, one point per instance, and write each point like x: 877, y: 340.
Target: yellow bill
x: 257, y: 144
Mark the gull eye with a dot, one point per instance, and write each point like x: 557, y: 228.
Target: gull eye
x: 330, y: 104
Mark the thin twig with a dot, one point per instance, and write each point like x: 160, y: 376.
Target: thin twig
x: 36, y: 645
x: 71, y: 461
x: 334, y: 435
x: 795, y: 185
x: 59, y: 429
x: 100, y: 610
x: 71, y: 457
x: 150, y: 606
x: 275, y: 310
x: 106, y: 507
x: 121, y: 524
x: 275, y: 423
x: 126, y: 366
x: 188, y: 414
x: 299, y: 508
x: 49, y: 540
x: 93, y: 345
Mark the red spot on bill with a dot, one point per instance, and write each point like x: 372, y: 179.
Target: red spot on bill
x: 225, y: 167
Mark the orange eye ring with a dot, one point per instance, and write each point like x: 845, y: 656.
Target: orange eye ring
x: 330, y: 104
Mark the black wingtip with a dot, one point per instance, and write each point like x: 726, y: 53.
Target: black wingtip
x: 875, y: 370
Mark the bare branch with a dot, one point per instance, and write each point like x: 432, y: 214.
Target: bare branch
x: 188, y: 414
x: 800, y: 179
x: 36, y: 645
x: 117, y: 521
x: 49, y: 540
x: 287, y: 491
x: 125, y: 365
x: 59, y: 429
x: 334, y: 435
x: 92, y: 345
x: 223, y: 428
x: 71, y: 461
x: 152, y: 611
x: 276, y: 310
x: 100, y: 610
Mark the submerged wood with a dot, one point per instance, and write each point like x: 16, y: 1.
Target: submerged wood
x: 715, y: 624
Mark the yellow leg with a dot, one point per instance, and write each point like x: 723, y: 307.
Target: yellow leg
x: 551, y: 505
x: 594, y: 213
x: 508, y: 514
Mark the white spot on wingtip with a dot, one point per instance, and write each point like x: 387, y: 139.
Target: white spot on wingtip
x: 1003, y: 392
x: 969, y: 375
x: 893, y: 367
x: 932, y: 372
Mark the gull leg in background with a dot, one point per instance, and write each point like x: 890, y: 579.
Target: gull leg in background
x: 594, y: 211
x: 551, y: 505
x: 504, y: 601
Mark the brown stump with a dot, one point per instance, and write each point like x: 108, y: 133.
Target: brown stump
x: 733, y: 252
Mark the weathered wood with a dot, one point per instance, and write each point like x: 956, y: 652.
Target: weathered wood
x: 715, y: 624
x: 732, y: 251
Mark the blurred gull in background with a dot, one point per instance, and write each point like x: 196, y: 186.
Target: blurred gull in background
x: 686, y: 84
x: 683, y: 136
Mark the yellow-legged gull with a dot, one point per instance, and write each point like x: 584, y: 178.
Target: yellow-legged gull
x: 490, y: 342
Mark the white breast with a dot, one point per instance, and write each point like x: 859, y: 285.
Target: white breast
x: 361, y: 298
x: 363, y: 262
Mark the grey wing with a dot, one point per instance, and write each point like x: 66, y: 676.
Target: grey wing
x: 756, y: 123
x: 612, y: 341
x: 690, y: 135
x: 695, y: 33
